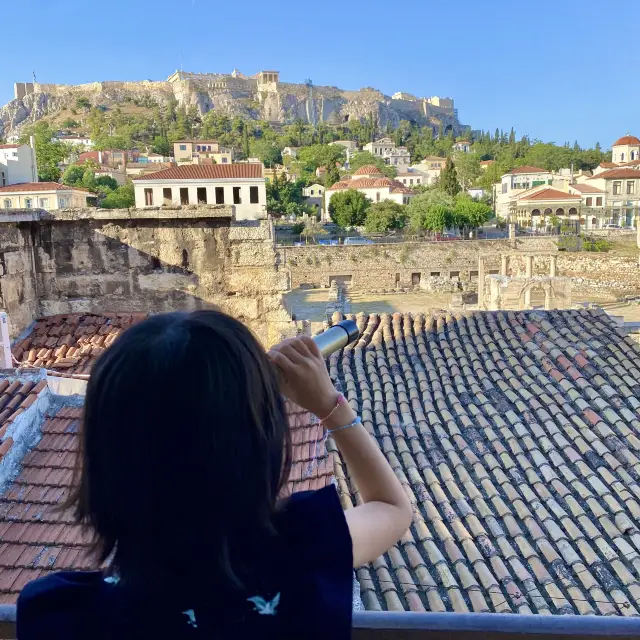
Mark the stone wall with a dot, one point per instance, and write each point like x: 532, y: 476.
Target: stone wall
x: 18, y: 295
x: 153, y: 260
x: 384, y: 266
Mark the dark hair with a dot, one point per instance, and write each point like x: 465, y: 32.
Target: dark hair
x: 185, y: 448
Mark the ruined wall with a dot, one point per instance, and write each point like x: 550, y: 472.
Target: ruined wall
x: 154, y: 260
x: 18, y: 296
x: 385, y: 266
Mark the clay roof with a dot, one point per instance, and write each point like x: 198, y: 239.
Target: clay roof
x: 384, y: 182
x: 632, y: 140
x: 15, y: 398
x: 343, y: 184
x: 9, y: 146
x: 207, y: 172
x: 486, y: 163
x: 550, y: 194
x: 514, y: 435
x: 368, y: 169
x: 25, y: 187
x: 528, y: 169
x: 402, y: 189
x: 608, y: 165
x: 585, y: 188
x: 617, y: 173
x: 71, y: 342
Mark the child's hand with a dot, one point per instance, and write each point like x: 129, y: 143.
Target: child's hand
x: 304, y: 378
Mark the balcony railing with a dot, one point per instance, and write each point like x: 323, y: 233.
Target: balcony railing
x: 370, y: 625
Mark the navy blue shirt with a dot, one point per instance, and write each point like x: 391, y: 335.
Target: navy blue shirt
x: 314, y: 599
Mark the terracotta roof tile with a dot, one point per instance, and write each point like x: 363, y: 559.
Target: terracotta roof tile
x: 207, y: 172
x: 586, y: 188
x: 550, y: 194
x: 559, y: 493
x: 626, y: 140
x: 617, y: 173
x: 40, y: 186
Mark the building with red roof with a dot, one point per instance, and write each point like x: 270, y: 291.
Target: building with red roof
x: 43, y: 195
x: 625, y: 149
x: 374, y: 184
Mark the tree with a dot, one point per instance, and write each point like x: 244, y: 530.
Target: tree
x: 470, y: 213
x: 384, y: 216
x: 419, y: 207
x: 449, y: 178
x: 73, y: 174
x: 319, y: 155
x: 89, y: 180
x: 162, y: 146
x: 312, y: 228
x: 332, y: 176
x: 122, y: 198
x: 83, y: 103
x: 467, y: 168
x: 349, y: 208
x: 285, y: 197
x: 267, y: 152
x: 106, y: 183
x: 49, y: 151
x: 245, y: 143
x: 70, y: 123
x: 437, y: 218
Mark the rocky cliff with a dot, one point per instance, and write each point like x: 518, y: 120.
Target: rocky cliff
x: 277, y: 102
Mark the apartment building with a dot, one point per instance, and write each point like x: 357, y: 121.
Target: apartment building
x: 17, y: 164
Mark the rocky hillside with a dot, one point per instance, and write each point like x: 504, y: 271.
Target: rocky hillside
x: 236, y: 96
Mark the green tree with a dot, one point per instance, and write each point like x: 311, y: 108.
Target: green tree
x: 284, y: 197
x: 467, y: 168
x: 162, y: 146
x: 106, y: 184
x: 332, y: 176
x: 73, y: 175
x: 319, y: 155
x: 268, y: 152
x: 245, y: 142
x: 83, y: 103
x: 89, y: 180
x: 312, y: 228
x: 384, y: 216
x: 419, y: 207
x: 122, y: 198
x: 437, y: 218
x: 470, y: 213
x: 449, y: 178
x: 70, y: 123
x: 349, y: 208
x: 49, y: 151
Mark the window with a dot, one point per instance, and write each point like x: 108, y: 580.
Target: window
x: 589, y: 202
x: 44, y: 203
x: 253, y: 195
x: 617, y: 187
x: 7, y: 204
x: 197, y: 147
x: 148, y: 197
x: 28, y: 203
x: 410, y: 180
x: 209, y: 147
x: 454, y: 274
x: 417, y: 180
x: 311, y: 191
x: 63, y: 203
x: 185, y: 259
x: 599, y: 201
x: 631, y: 187
x: 166, y: 194
x: 219, y: 195
x: 622, y: 157
x: 504, y: 187
x: 594, y: 222
x: 224, y: 160
x: 378, y: 196
x: 236, y: 196
x: 202, y: 195
x: 184, y: 195
x: 633, y: 155
x: 183, y: 147
x: 435, y: 274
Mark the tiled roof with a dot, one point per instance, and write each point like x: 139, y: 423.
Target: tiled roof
x: 617, y: 173
x: 632, y: 140
x: 312, y: 466
x: 550, y: 194
x: 71, y: 342
x: 208, y: 172
x: 528, y: 169
x: 35, y: 536
x: 516, y: 437
x: 368, y: 170
x: 40, y: 186
x: 9, y: 146
x: 15, y: 398
x: 609, y: 165
x: 585, y: 188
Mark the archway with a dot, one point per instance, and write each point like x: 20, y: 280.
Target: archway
x: 573, y: 211
x: 548, y: 212
x: 559, y: 211
x: 594, y: 222
x: 622, y: 157
x: 535, y: 294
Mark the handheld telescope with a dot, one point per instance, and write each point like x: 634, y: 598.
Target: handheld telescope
x: 336, y: 337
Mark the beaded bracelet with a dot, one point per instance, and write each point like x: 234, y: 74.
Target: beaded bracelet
x: 358, y: 420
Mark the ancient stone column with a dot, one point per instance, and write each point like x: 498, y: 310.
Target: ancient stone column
x: 481, y: 283
x: 553, y: 266
x: 512, y: 235
x: 504, y: 265
x: 528, y: 274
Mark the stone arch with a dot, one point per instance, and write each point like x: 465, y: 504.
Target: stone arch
x: 573, y: 211
x: 559, y: 211
x: 594, y: 222
x: 535, y: 212
x: 622, y: 157
x: 548, y: 211
x: 536, y: 285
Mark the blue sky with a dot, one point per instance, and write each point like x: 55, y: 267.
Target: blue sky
x: 559, y: 70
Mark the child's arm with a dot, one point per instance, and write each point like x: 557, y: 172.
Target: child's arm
x: 386, y: 513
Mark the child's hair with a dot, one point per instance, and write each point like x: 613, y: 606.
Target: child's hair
x: 185, y: 447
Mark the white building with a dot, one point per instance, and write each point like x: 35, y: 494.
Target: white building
x: 518, y: 180
x: 430, y: 168
x: 292, y: 152
x: 380, y: 147
x: 77, y: 141
x: 242, y: 185
x: 411, y: 178
x: 17, y: 164
x: 625, y: 149
x: 43, y: 195
x: 313, y: 195
x: 463, y: 146
x: 374, y: 184
x: 156, y: 158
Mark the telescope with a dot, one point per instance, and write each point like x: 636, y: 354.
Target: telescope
x: 336, y: 337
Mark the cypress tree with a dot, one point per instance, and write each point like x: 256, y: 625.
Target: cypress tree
x: 449, y: 178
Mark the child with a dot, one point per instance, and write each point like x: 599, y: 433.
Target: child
x: 185, y: 448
